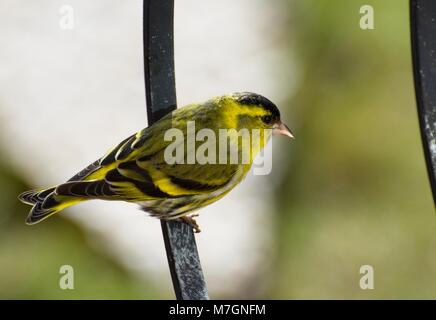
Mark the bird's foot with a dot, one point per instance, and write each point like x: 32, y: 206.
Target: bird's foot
x: 191, y: 221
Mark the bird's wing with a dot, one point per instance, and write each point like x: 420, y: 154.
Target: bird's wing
x: 136, y: 170
x: 100, y: 167
x: 140, y: 181
x: 130, y: 148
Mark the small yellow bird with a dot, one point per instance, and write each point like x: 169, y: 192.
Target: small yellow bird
x: 141, y: 169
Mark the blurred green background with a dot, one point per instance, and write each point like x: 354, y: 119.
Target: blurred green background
x: 355, y: 191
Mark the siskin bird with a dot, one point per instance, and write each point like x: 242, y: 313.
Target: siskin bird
x: 137, y: 170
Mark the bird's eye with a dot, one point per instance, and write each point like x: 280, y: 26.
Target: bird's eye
x: 267, y: 119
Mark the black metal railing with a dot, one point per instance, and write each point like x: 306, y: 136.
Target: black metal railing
x: 181, y: 248
x: 423, y: 28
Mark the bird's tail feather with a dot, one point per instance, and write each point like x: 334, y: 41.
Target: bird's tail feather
x: 46, y: 203
x: 34, y: 196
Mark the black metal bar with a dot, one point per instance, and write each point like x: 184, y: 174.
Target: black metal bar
x: 160, y: 89
x: 423, y: 30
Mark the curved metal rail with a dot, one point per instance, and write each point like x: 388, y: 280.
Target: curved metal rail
x: 181, y: 248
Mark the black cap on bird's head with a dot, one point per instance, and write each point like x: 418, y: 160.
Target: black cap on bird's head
x: 254, y: 99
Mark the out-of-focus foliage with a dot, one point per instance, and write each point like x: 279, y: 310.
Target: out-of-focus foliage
x: 356, y: 190
x: 31, y: 256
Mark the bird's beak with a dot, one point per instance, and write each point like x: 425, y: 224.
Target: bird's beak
x: 282, y: 129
